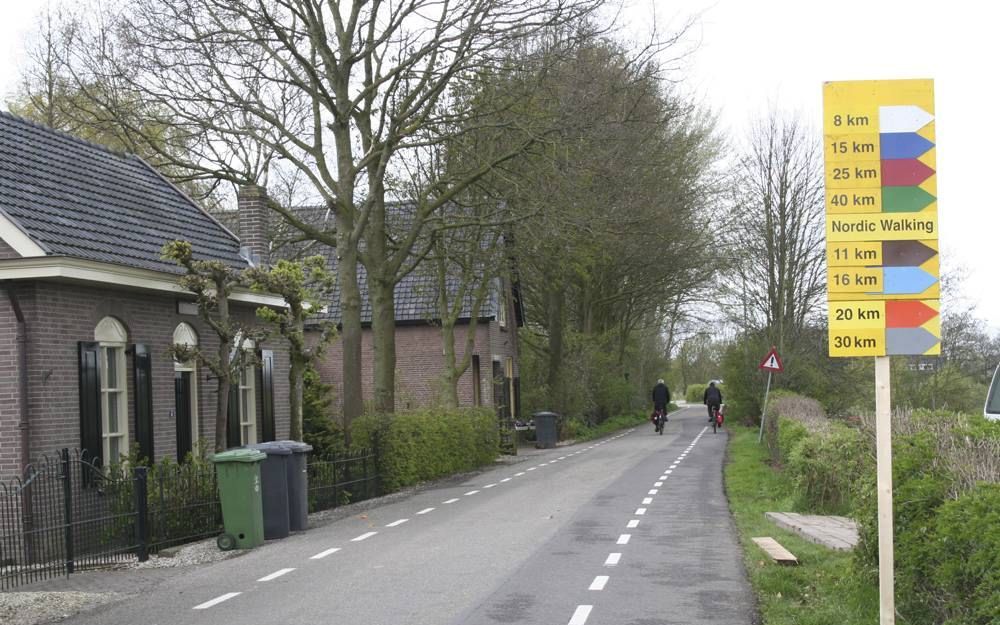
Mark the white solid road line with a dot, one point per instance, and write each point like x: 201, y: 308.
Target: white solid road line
x: 640, y: 511
x: 216, y: 601
x: 425, y: 510
x: 470, y: 493
x: 452, y: 500
x: 624, y: 538
x: 358, y: 539
x: 275, y: 575
x: 397, y: 523
x: 634, y: 523
x: 647, y: 500
x: 599, y: 582
x: 580, y: 615
x: 323, y: 554
x: 613, y: 559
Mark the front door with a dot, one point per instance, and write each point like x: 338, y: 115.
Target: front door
x: 182, y: 400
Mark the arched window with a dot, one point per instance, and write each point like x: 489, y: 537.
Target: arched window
x: 186, y: 393
x: 111, y: 338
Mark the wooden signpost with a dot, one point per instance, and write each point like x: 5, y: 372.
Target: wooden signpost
x: 882, y: 252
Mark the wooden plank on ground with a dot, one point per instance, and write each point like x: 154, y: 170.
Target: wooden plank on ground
x: 774, y: 549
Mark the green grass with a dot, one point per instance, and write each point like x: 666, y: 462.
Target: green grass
x: 824, y: 589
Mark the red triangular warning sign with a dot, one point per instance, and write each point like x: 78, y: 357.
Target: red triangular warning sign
x: 771, y: 362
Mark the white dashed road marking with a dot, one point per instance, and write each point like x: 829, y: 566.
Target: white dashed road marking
x: 613, y: 559
x: 580, y: 615
x: 634, y: 523
x: 227, y: 597
x: 425, y: 510
x: 599, y: 582
x: 323, y: 554
x: 506, y: 479
x: 647, y: 500
x: 358, y: 539
x: 275, y: 575
x: 652, y: 491
x: 640, y: 511
x: 470, y: 493
x: 452, y: 500
x: 657, y: 484
x: 624, y: 538
x: 397, y: 523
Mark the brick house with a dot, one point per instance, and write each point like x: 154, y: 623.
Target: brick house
x: 493, y: 376
x: 88, y: 309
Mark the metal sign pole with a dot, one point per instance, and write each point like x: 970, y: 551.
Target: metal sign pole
x: 763, y: 412
x: 883, y: 430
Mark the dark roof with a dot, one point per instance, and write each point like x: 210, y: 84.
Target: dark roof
x: 415, y: 294
x: 75, y: 198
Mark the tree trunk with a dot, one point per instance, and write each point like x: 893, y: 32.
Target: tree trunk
x: 296, y: 372
x: 554, y: 304
x: 384, y: 342
x: 350, y: 319
x: 449, y: 394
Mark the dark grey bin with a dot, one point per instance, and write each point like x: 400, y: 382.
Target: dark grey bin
x: 298, y: 485
x: 546, y: 429
x: 274, y: 488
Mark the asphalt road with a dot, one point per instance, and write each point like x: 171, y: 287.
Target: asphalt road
x: 629, y: 530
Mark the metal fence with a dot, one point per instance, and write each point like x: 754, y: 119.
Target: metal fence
x: 68, y: 513
x: 343, y: 479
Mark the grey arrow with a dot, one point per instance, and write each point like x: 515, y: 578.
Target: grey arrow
x: 908, y: 341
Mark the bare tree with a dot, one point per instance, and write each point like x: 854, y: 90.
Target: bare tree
x: 774, y: 231
x: 344, y: 92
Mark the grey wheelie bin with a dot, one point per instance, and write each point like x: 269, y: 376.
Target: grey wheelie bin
x: 546, y: 429
x: 238, y: 474
x: 298, y: 485
x: 274, y: 488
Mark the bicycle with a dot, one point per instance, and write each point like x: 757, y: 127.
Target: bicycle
x: 717, y: 418
x: 659, y: 418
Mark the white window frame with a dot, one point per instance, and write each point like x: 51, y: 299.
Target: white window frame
x: 112, y: 340
x: 184, y: 334
x: 248, y: 408
x: 508, y: 371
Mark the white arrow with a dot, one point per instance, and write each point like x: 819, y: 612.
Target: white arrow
x: 906, y: 118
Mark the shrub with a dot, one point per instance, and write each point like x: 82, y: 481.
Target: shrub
x: 695, y: 393
x: 826, y: 466
x: 965, y: 552
x: 427, y: 444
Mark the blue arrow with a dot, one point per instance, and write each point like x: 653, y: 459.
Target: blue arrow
x: 908, y: 341
x: 904, y: 280
x: 900, y: 145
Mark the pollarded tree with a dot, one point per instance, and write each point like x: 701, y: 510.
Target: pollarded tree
x: 212, y: 282
x: 306, y: 286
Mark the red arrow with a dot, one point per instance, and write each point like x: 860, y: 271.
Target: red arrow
x: 907, y: 172
x: 908, y: 314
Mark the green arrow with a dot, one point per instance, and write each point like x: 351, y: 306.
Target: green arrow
x: 905, y: 199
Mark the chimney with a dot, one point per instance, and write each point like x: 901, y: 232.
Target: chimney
x: 251, y: 202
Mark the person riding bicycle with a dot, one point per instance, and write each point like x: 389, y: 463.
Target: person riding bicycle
x: 712, y: 399
x: 661, y: 397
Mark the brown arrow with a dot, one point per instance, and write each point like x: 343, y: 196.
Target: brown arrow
x: 906, y: 253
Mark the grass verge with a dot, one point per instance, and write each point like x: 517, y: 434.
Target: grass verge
x: 824, y: 589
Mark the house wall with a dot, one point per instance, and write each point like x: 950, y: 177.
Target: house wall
x: 10, y: 405
x: 61, y: 315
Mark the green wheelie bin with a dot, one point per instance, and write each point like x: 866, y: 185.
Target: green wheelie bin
x: 238, y: 473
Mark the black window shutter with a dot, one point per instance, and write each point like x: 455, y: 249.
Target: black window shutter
x: 517, y: 398
x: 233, y: 429
x: 267, y: 395
x: 90, y: 399
x: 142, y: 373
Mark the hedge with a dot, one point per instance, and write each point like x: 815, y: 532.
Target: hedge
x: 422, y: 445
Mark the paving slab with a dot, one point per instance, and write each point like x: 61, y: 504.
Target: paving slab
x: 834, y: 532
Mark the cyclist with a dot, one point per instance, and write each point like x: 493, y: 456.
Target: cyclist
x: 661, y: 397
x: 712, y: 399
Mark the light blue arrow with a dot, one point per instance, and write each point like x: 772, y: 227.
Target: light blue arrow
x: 908, y: 341
x: 906, y: 280
x: 899, y: 145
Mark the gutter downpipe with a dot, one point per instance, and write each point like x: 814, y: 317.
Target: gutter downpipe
x: 21, y: 341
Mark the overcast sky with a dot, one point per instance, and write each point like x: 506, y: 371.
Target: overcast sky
x: 752, y: 55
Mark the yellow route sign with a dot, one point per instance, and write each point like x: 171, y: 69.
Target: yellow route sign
x: 880, y: 168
